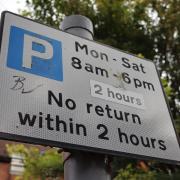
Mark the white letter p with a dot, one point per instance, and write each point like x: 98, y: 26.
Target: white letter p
x: 28, y: 52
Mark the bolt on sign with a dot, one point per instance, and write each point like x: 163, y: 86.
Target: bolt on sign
x: 61, y: 90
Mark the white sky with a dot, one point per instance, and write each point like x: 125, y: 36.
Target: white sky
x: 12, y: 5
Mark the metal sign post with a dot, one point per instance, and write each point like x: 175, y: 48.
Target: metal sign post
x: 79, y: 165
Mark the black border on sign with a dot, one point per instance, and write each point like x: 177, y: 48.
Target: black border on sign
x: 37, y: 141
x: 26, y: 139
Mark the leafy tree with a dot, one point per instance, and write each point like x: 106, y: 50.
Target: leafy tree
x: 120, y: 24
x: 131, y: 173
x: 134, y: 173
x: 166, y: 35
x: 38, y: 165
x: 52, y: 12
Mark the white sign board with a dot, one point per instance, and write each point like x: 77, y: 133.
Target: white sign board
x: 61, y: 90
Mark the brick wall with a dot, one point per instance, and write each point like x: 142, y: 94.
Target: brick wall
x: 4, y: 171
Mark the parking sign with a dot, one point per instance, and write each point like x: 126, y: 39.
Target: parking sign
x: 61, y: 90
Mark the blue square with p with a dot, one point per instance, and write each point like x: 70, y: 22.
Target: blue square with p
x: 36, y: 54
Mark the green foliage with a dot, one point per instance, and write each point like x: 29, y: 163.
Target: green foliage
x: 52, y: 12
x: 37, y: 164
x: 133, y: 173
x: 167, y: 88
x: 16, y: 149
x: 166, y: 35
x: 130, y: 173
x: 177, y: 123
x: 120, y: 24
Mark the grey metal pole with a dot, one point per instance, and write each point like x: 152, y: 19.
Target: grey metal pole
x: 79, y: 165
x: 78, y: 25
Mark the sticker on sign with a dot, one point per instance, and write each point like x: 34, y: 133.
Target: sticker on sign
x: 61, y: 90
x: 114, y: 94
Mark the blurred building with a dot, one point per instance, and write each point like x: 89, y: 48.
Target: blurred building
x: 10, y: 167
